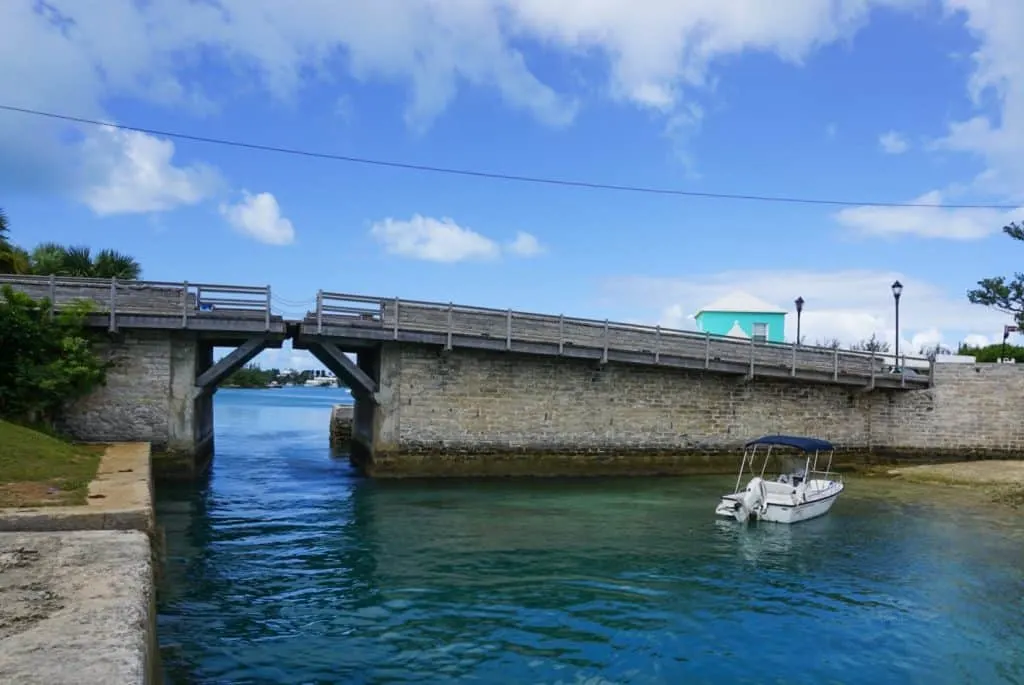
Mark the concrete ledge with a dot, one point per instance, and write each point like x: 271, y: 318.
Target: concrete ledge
x: 77, y: 608
x: 435, y: 463
x: 341, y: 425
x: 120, y: 498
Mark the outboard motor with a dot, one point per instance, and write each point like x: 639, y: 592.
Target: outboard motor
x: 754, y: 500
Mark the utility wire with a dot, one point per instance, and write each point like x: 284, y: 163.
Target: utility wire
x: 495, y: 175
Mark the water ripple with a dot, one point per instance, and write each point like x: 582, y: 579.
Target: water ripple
x: 285, y: 568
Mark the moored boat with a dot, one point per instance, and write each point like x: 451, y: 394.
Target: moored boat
x: 795, y: 495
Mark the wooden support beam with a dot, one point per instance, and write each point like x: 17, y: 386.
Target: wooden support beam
x: 344, y: 368
x: 234, y: 360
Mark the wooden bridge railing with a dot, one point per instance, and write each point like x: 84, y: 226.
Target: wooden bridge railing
x: 118, y: 298
x: 397, y: 315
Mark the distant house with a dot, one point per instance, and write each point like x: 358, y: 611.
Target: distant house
x: 741, y: 315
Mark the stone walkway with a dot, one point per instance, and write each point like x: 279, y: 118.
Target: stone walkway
x: 76, y: 583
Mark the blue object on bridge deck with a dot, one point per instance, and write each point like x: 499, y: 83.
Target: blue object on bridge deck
x: 205, y: 307
x: 800, y: 443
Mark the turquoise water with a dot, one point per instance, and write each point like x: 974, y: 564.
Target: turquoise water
x: 286, y: 568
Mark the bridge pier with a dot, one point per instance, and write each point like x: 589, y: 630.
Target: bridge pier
x: 160, y: 390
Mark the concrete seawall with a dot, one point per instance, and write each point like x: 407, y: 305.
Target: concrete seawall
x: 488, y: 413
x: 77, y: 597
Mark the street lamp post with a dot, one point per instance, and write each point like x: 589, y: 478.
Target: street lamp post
x: 897, y: 290
x: 799, y: 302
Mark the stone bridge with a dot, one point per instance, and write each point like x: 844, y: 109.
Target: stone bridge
x: 438, y: 381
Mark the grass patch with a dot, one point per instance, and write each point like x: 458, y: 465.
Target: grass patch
x: 37, y: 469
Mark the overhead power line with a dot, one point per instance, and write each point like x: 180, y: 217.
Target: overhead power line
x: 495, y: 175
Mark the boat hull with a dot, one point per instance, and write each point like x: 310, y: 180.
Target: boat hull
x: 777, y: 511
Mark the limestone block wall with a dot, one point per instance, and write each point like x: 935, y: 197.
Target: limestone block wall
x: 481, y: 402
x: 149, y: 394
x: 134, y: 403
x: 478, y: 403
x: 973, y: 410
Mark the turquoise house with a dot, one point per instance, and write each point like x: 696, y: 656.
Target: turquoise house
x: 740, y: 315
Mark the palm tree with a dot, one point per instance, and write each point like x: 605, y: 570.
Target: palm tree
x: 77, y: 261
x: 114, y: 264
x: 13, y: 259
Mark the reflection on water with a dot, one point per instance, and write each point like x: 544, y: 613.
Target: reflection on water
x: 286, y: 568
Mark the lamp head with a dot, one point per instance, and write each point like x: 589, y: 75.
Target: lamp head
x: 799, y: 302
x: 897, y: 289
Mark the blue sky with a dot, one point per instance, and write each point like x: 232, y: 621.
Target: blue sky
x: 860, y: 100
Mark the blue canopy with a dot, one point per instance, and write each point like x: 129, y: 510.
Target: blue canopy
x: 805, y: 444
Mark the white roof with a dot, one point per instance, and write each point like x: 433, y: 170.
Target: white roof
x: 741, y: 302
x: 736, y: 331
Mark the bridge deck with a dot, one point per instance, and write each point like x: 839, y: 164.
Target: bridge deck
x: 230, y: 313
x: 360, y: 319
x: 215, y: 311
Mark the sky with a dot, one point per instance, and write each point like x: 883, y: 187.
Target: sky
x: 863, y: 101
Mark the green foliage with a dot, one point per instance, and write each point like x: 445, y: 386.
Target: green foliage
x: 252, y: 376
x: 1004, y: 295
x: 59, y: 260
x: 78, y: 261
x: 992, y: 353
x: 46, y: 358
x: 13, y: 259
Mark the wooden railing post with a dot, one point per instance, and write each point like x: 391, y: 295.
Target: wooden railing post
x: 752, y: 349
x: 657, y: 344
x: 319, y: 311
x: 267, y: 311
x: 604, y: 353
x: 872, y: 369
x: 448, y: 342
x: 394, y: 324
x: 792, y: 370
x: 903, y: 372
x: 561, y: 334
x: 931, y: 372
x: 113, y: 305
x: 508, y: 329
x: 184, y: 304
x: 835, y: 363
x: 707, y: 349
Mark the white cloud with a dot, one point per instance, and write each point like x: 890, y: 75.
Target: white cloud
x: 525, y: 245
x: 927, y: 222
x: 848, y: 305
x: 433, y: 240
x: 65, y: 55
x: 443, y: 240
x: 996, y: 134
x: 259, y: 217
x: 893, y: 143
x: 126, y: 172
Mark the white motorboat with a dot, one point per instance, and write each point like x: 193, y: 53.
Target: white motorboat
x: 797, y: 495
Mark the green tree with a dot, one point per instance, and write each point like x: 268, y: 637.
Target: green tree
x: 13, y: 259
x: 59, y: 260
x: 999, y: 293
x: 252, y: 376
x: 46, y: 357
x: 991, y: 353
